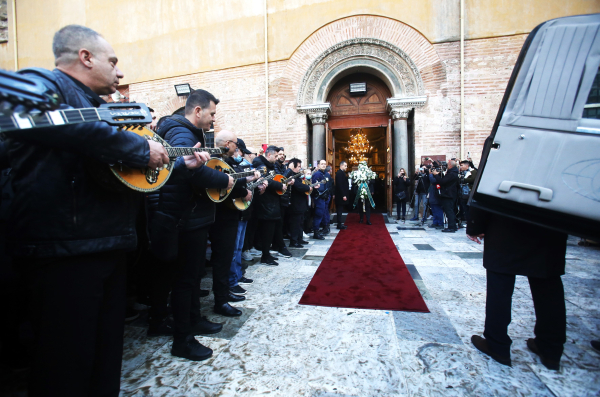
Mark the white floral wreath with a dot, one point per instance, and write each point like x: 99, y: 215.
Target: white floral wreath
x: 361, y: 178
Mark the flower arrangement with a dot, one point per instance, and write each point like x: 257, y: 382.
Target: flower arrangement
x: 361, y: 178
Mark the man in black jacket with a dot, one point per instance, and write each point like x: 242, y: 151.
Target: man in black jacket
x: 342, y: 193
x: 513, y: 247
x: 281, y: 228
x: 68, y: 234
x: 180, y: 218
x: 448, y: 184
x: 224, y: 231
x: 298, y: 205
x: 268, y: 209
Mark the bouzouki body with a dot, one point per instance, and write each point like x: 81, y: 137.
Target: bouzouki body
x: 282, y: 179
x: 146, y: 179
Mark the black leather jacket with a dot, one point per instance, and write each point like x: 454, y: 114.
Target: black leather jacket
x: 448, y: 183
x: 59, y: 209
x: 267, y: 205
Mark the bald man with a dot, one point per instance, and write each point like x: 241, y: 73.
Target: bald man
x: 224, y: 231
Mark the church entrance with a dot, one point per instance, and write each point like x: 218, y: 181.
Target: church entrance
x: 362, y: 117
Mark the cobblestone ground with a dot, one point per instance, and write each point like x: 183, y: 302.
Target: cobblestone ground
x: 281, y: 348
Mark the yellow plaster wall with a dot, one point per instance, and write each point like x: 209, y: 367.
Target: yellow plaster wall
x: 156, y: 39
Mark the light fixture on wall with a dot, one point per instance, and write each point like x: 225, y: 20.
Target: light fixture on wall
x: 183, y: 89
x: 358, y: 89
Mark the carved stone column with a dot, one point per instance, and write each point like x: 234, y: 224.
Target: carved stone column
x: 399, y: 109
x: 318, y: 116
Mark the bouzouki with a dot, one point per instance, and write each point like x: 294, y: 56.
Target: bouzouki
x: 218, y: 195
x: 313, y: 184
x: 16, y: 89
x: 242, y: 205
x: 282, y: 179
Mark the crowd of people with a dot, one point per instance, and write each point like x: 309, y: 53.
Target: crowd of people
x: 440, y: 189
x: 73, y: 245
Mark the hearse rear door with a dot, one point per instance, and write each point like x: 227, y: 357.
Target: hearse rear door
x: 542, y: 164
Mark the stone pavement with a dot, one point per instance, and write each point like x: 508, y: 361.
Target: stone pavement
x: 281, y: 348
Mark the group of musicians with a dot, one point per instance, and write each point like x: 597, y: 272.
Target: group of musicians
x: 69, y: 236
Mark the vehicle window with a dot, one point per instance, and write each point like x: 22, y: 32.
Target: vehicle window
x: 591, y: 109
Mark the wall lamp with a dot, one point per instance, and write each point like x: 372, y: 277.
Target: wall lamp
x: 183, y: 89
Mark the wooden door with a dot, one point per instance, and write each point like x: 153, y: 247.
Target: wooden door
x: 388, y: 170
x: 329, y: 143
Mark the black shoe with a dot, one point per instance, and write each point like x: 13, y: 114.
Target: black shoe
x: 342, y: 227
x: 191, y: 349
x: 317, y: 236
x: 369, y: 223
x: 165, y: 328
x: 206, y: 327
x: 269, y: 261
x: 237, y: 290
x: 296, y: 245
x: 285, y: 252
x: 449, y: 230
x: 324, y: 231
x: 227, y: 310
x: 550, y: 364
x: 360, y: 220
x: 245, y: 280
x: 303, y: 242
x: 595, y: 344
x: 204, y: 293
x: 482, y: 345
x: 286, y: 236
x: 231, y: 297
x: 131, y: 314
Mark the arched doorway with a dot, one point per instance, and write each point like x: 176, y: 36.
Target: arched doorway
x: 364, y: 112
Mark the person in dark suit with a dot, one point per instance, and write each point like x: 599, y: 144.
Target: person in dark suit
x: 298, y: 205
x: 514, y: 247
x: 401, y: 184
x: 448, y: 195
x: 342, y: 193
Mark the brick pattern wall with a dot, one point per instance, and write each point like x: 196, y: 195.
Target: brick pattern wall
x: 488, y: 64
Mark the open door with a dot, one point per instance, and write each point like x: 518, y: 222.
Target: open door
x: 388, y: 170
x: 541, y: 162
x: 329, y: 149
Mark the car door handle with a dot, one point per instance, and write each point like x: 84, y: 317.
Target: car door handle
x: 545, y: 193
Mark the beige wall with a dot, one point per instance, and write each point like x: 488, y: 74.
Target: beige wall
x: 164, y: 38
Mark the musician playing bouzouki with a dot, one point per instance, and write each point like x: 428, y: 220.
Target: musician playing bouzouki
x: 180, y: 217
x: 68, y: 233
x: 268, y: 210
x: 298, y: 205
x: 224, y: 231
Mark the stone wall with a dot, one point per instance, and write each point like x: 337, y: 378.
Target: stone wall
x: 488, y: 65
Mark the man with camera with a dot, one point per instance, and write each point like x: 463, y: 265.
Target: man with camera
x: 448, y: 192
x: 422, y: 178
x: 466, y: 177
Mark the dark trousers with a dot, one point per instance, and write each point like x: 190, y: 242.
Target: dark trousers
x: 319, y: 217
x: 266, y: 231
x: 400, y: 208
x: 550, y: 313
x: 222, y: 243
x: 448, y: 207
x: 78, y: 318
x: 189, y: 269
x: 367, y: 209
x: 308, y: 220
x: 340, y: 210
x: 296, y: 226
x: 278, y: 242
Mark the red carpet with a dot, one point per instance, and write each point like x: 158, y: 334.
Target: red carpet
x: 364, y: 270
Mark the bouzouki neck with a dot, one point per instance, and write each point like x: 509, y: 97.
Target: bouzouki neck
x: 174, y: 152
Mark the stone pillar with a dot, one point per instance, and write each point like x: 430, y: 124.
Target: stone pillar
x: 400, y: 140
x: 318, y: 136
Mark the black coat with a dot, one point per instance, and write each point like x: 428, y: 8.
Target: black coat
x: 422, y: 183
x: 267, y: 205
x: 517, y: 247
x: 401, y: 185
x: 59, y: 209
x: 299, y: 199
x: 342, y: 188
x: 185, y: 189
x: 448, y: 183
